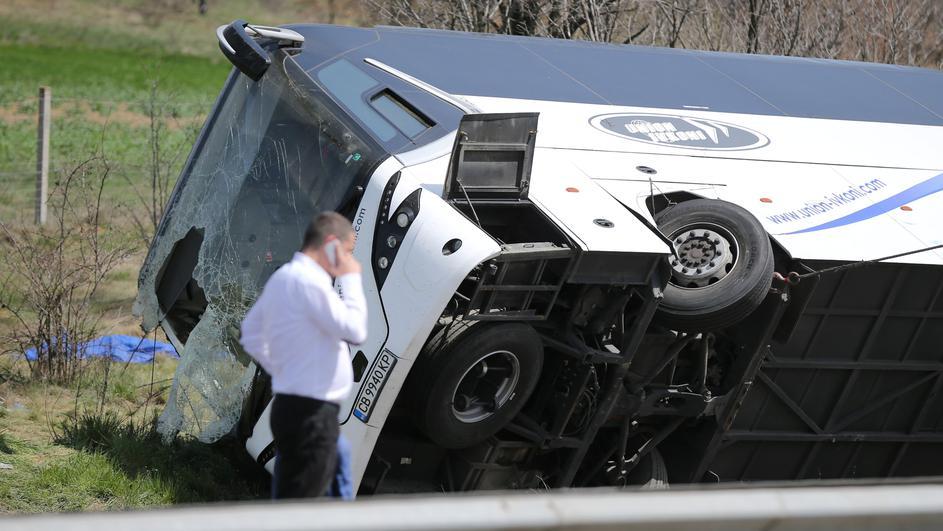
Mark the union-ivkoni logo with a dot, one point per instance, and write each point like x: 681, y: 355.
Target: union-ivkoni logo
x: 680, y: 131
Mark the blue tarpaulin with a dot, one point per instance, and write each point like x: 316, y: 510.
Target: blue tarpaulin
x: 121, y: 348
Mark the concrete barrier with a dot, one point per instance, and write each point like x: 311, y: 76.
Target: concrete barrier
x: 908, y: 506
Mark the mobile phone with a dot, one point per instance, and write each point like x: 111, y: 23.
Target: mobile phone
x: 330, y: 248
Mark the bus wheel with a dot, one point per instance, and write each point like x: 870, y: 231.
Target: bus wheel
x: 650, y: 474
x: 475, y: 381
x: 722, y: 267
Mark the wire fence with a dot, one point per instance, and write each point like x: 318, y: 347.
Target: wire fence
x: 131, y: 160
x: 25, y: 171
x: 169, y: 100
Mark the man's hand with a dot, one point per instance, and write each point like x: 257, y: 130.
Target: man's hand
x: 346, y: 263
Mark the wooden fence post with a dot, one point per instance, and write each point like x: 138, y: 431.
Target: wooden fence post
x: 42, y: 153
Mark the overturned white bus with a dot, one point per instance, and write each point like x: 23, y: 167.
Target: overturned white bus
x: 589, y: 264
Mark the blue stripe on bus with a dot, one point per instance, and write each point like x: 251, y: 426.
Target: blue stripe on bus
x: 930, y: 186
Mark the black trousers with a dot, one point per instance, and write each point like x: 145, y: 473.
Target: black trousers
x: 305, y: 432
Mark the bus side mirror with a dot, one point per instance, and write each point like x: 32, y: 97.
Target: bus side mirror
x: 242, y: 50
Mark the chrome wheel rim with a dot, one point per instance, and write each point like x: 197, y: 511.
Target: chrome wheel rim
x: 705, y: 254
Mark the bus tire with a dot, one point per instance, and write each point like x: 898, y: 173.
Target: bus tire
x: 722, y: 269
x: 474, y: 380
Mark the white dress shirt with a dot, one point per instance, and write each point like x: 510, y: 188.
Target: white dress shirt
x: 298, y: 328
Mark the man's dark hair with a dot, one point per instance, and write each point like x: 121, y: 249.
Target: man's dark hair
x: 324, y: 225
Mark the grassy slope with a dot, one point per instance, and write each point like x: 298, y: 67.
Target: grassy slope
x: 70, y: 453
x: 101, y: 59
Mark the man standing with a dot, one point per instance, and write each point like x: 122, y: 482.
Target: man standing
x: 297, y: 332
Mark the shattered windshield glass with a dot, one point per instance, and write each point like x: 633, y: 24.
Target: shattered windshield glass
x: 273, y: 154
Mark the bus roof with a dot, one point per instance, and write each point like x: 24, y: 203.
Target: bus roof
x: 640, y: 76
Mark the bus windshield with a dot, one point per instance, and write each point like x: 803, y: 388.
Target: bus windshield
x: 274, y: 153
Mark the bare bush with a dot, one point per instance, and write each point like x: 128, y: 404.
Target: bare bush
x: 898, y: 31
x: 890, y: 31
x: 51, y: 273
x: 165, y: 153
x: 595, y: 20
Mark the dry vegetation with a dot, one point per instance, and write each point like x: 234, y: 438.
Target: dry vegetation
x: 52, y: 273
x: 887, y: 31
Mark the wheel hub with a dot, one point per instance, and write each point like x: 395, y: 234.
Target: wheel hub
x: 486, y: 386
x: 704, y: 255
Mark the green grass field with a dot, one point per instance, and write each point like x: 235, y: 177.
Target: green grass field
x: 92, y: 446
x: 101, y: 100
x: 102, y: 60
x: 102, y: 92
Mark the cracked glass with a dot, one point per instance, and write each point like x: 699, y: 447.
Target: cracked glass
x: 273, y: 154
